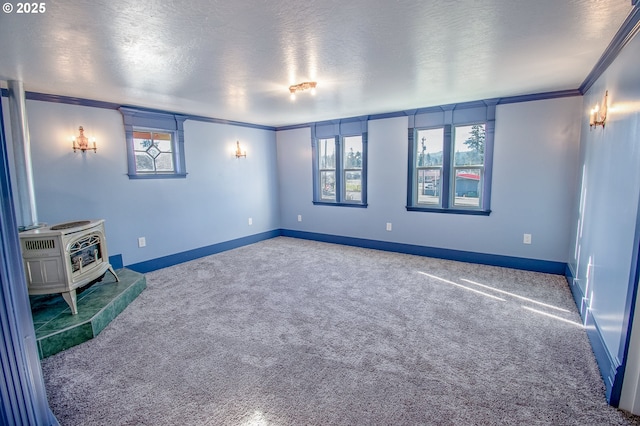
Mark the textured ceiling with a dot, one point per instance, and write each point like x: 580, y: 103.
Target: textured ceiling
x: 235, y: 59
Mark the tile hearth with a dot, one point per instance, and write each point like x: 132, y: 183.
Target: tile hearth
x: 98, y: 304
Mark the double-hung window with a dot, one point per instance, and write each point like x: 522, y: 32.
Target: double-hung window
x: 340, y: 163
x: 155, y: 144
x: 450, y: 157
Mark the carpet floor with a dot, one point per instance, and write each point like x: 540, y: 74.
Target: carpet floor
x: 292, y: 332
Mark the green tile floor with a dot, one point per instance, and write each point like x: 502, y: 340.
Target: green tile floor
x: 98, y: 304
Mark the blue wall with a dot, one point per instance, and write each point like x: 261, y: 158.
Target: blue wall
x: 534, y: 179
x: 212, y: 205
x: 602, y: 255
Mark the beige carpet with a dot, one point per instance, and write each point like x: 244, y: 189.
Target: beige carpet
x: 291, y: 332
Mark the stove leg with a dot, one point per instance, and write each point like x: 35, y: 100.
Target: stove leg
x: 114, y: 273
x: 70, y: 298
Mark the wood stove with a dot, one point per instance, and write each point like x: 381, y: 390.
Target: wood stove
x: 64, y: 257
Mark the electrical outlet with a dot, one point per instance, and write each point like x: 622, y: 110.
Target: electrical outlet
x: 526, y: 239
x: 250, y: 221
x: 299, y: 218
x: 388, y: 226
x: 142, y: 242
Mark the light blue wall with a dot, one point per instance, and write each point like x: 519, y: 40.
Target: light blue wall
x: 212, y: 205
x: 534, y: 179
x: 610, y: 158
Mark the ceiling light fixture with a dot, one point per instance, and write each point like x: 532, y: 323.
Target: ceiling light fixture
x: 301, y: 87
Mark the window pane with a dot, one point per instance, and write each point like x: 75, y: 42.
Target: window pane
x: 161, y: 136
x: 353, y: 185
x: 469, y: 145
x: 429, y: 186
x: 327, y: 157
x: 429, y: 147
x: 328, y: 185
x: 353, y: 152
x: 164, y: 162
x: 144, y: 163
x: 142, y: 142
x: 467, y: 187
x: 141, y: 135
x: 162, y: 141
x: 153, y: 151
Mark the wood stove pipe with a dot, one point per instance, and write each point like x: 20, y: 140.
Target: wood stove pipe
x: 25, y: 201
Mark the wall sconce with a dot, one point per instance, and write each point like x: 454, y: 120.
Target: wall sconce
x: 303, y: 86
x: 239, y: 152
x: 82, y: 142
x: 598, y: 115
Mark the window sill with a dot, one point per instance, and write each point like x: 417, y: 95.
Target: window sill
x: 449, y: 211
x: 158, y: 176
x: 328, y: 203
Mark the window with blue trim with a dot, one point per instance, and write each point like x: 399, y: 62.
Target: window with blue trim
x: 450, y: 159
x: 340, y: 163
x: 155, y: 144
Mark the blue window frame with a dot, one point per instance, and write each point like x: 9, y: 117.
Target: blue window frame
x: 450, y: 159
x: 155, y: 144
x: 340, y: 162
